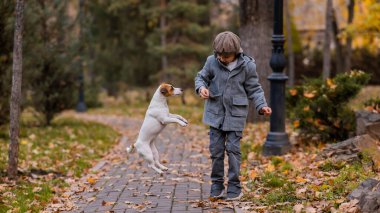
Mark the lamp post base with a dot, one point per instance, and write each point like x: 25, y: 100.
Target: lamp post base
x: 81, y: 107
x: 277, y: 143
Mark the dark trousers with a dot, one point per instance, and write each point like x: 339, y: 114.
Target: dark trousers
x: 229, y: 141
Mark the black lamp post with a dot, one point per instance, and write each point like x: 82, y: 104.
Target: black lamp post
x: 81, y: 105
x: 277, y: 142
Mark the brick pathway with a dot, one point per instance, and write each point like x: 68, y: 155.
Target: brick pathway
x: 129, y: 186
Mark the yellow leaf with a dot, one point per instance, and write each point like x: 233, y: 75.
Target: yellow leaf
x: 324, y: 186
x: 330, y: 83
x: 270, y: 168
x: 24, y: 141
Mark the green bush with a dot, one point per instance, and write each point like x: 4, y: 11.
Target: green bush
x: 91, y: 94
x: 319, y: 108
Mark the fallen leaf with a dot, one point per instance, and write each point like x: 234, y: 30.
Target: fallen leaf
x: 300, y: 180
x: 270, y: 168
x: 252, y: 174
x: 91, y: 180
x: 105, y: 203
x: 298, y: 208
x: 310, y: 209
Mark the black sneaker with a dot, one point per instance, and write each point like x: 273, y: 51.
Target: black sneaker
x: 216, y: 191
x: 234, y: 197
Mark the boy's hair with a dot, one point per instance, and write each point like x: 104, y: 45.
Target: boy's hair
x: 227, y: 43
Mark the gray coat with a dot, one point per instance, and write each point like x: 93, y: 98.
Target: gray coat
x: 229, y: 91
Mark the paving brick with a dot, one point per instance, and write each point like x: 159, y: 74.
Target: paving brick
x: 124, y: 183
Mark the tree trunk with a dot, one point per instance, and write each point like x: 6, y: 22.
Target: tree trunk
x: 14, y: 128
x: 338, y: 45
x: 256, y: 29
x: 164, y: 59
x: 347, y: 58
x: 289, y: 42
x: 327, y: 40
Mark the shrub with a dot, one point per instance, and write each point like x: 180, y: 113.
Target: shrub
x: 319, y: 108
x: 53, y: 91
x: 91, y: 94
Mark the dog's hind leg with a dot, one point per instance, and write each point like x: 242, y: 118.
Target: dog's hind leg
x: 156, y: 156
x: 147, y: 154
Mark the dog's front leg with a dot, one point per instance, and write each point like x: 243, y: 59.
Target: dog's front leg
x: 168, y: 120
x: 179, y: 117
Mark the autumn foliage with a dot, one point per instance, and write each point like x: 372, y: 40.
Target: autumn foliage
x: 373, y: 104
x: 318, y: 109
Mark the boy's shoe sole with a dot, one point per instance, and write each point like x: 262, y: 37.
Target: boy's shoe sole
x: 218, y: 196
x: 235, y: 198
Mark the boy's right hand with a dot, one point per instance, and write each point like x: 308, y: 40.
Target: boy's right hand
x: 203, y: 92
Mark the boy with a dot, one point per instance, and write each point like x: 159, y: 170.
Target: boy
x: 227, y: 80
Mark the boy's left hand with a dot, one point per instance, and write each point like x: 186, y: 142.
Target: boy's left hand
x: 266, y: 110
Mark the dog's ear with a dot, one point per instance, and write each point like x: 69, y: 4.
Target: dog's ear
x: 164, y: 91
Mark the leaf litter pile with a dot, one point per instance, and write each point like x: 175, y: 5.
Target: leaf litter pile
x: 297, y: 181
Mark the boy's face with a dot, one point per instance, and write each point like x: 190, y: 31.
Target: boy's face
x: 226, y: 58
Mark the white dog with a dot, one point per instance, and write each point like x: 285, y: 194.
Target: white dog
x: 156, y: 118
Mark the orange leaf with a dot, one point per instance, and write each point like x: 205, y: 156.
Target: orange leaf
x: 296, y: 123
x: 91, y: 180
x: 300, y: 180
x: 331, y: 182
x: 309, y: 94
x: 293, y: 92
x: 252, y: 174
x: 105, y: 203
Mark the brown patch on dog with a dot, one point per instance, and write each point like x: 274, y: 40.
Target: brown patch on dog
x: 166, y: 89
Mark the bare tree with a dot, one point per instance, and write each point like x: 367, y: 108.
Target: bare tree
x: 14, y: 128
x: 256, y: 28
x: 164, y: 59
x: 289, y: 41
x: 348, y: 53
x: 327, y: 40
x: 338, y: 46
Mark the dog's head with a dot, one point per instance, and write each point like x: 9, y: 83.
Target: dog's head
x: 168, y: 90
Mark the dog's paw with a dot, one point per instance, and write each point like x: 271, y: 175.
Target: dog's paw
x: 183, y: 124
x: 184, y: 120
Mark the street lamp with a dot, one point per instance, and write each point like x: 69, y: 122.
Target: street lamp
x: 81, y: 106
x: 277, y: 142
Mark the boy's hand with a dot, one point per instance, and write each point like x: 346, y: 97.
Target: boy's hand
x: 266, y: 110
x: 203, y: 92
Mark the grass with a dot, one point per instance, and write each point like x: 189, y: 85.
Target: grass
x: 271, y: 179
x: 365, y: 94
x: 287, y: 193
x: 66, y: 148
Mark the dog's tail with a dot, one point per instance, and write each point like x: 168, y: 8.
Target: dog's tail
x: 131, y: 148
